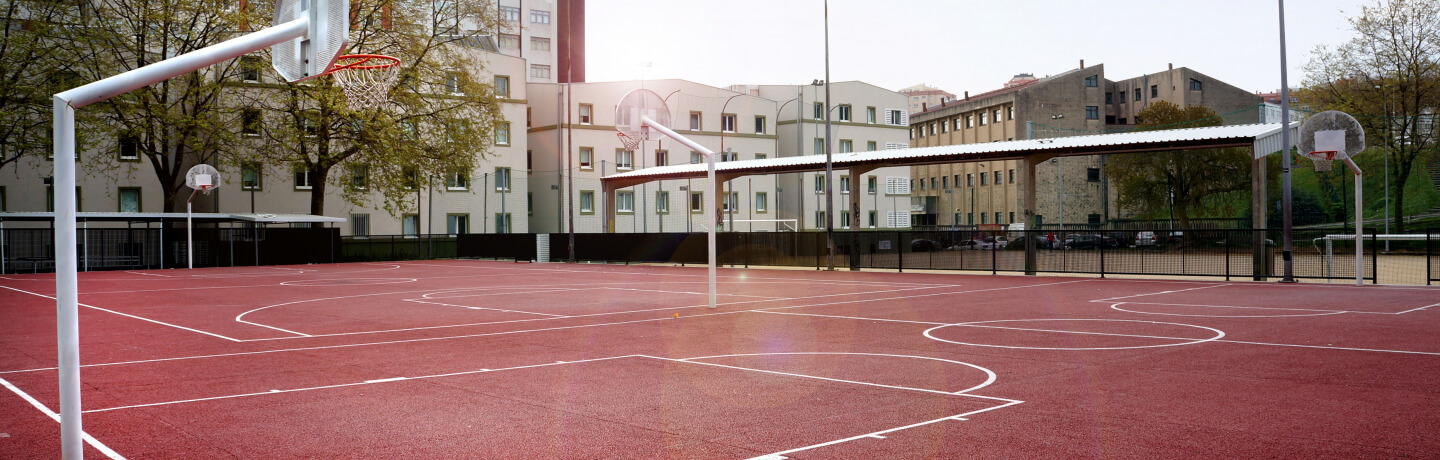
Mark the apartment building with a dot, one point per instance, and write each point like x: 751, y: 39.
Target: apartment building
x: 863, y: 117
x: 549, y: 34
x: 1080, y: 101
x: 921, y: 97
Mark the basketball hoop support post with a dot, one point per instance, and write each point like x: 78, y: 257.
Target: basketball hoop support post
x: 72, y: 437
x: 1359, y: 221
x: 712, y: 222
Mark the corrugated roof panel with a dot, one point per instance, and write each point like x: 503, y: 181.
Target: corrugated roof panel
x: 1254, y: 133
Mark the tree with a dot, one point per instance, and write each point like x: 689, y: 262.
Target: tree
x: 174, y: 124
x: 29, y: 74
x: 438, y: 123
x: 1388, y: 76
x: 1193, y: 181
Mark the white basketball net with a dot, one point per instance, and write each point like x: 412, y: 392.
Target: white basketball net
x: 366, y: 80
x: 203, y: 178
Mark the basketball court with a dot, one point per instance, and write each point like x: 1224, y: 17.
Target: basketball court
x: 494, y: 359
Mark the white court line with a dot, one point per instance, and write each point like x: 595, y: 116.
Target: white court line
x: 880, y: 434
x: 1237, y: 306
x: 1157, y: 293
x: 343, y: 385
x: 56, y: 417
x: 989, y: 375
x: 1242, y: 342
x: 488, y: 292
x: 921, y: 295
x: 130, y: 316
x: 691, y: 293
x: 1026, y: 329
x: 642, y: 271
x: 446, y: 326
x: 483, y: 308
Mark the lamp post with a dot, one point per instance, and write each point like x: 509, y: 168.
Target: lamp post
x: 829, y: 167
x: 1289, y: 274
x: 1059, y: 179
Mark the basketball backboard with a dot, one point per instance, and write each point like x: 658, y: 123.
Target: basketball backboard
x: 304, y: 58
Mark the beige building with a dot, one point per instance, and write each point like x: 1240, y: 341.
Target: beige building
x: 921, y: 97
x: 863, y: 117
x: 1077, y: 102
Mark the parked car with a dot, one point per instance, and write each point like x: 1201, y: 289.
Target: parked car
x: 1083, y: 241
x: 1118, y: 240
x: 1019, y: 243
x: 923, y: 245
x: 1146, y: 238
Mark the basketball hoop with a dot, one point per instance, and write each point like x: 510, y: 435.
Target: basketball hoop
x: 202, y: 178
x: 366, y: 79
x: 631, y: 143
x: 1324, y: 160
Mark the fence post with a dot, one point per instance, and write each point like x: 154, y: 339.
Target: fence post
x: 1101, y: 246
x: 1428, y: 231
x: 900, y: 255
x: 1374, y: 257
x: 994, y: 256
x: 745, y: 248
x: 1227, y: 254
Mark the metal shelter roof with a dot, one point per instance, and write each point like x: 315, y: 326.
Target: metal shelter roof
x: 1263, y: 138
x: 167, y: 216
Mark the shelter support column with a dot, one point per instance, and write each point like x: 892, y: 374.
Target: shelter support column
x: 856, y: 178
x: 1261, y: 262
x: 608, y: 190
x: 1027, y: 206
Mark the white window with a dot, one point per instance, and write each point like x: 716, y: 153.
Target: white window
x: 587, y: 201
x: 129, y: 199
x: 585, y: 114
x: 694, y: 121
x: 587, y: 158
x: 869, y: 146
x: 359, y: 225
x: 727, y: 122
x: 502, y: 89
x: 360, y: 176
x: 897, y: 186
x: 897, y: 219
x: 509, y: 13
x: 129, y: 148
x: 624, y: 159
x: 982, y: 118
x: 502, y: 133
x: 844, y: 184
x: 304, y: 179
x: 625, y: 202
x: 731, y: 201
x: 251, y: 177
x: 870, y: 115
x: 410, y: 224
x: 844, y: 219
x: 539, y: 17
x: 844, y: 112
x: 696, y: 158
x: 897, y: 117
x: 819, y: 183
x: 697, y: 202
x: 762, y: 202
x: 819, y: 110
x: 502, y: 179
x: 896, y: 145
x: 452, y: 82
x: 846, y: 145
x: 819, y: 219
x: 250, y: 67
x: 456, y: 224
x: 819, y: 146
x: 759, y: 125
x: 250, y: 122
x: 509, y: 41
x: 871, y: 184
x: 874, y: 219
x: 662, y: 202
x: 539, y: 44
x: 539, y: 71
x: 502, y: 222
x: 457, y: 180
x: 662, y: 157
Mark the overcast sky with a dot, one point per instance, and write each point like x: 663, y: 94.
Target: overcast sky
x: 954, y: 45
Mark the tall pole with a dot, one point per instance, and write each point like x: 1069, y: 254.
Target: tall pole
x: 1289, y: 275
x: 800, y: 150
x: 829, y: 168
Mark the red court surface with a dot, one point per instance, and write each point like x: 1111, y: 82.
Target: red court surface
x: 476, y: 359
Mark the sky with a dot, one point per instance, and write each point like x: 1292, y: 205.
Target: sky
x: 956, y: 46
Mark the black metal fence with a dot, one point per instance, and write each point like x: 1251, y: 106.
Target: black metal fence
x: 1219, y: 253
x: 32, y: 250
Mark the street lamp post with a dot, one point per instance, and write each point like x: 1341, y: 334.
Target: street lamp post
x: 829, y: 167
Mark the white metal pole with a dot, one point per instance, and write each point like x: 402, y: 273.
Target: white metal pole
x: 1359, y: 223
x: 189, y: 236
x: 709, y: 208
x: 713, y: 222
x: 66, y: 276
x: 67, y: 318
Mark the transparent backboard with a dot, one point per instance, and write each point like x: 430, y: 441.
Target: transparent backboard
x: 312, y: 56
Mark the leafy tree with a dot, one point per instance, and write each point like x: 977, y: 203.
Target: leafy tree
x: 176, y: 123
x: 1196, y: 179
x: 1388, y: 76
x: 437, y: 125
x: 29, y: 73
